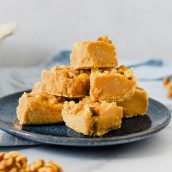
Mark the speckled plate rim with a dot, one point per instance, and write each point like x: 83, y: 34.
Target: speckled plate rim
x: 87, y: 142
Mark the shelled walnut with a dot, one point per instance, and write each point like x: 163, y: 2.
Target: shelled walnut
x: 168, y: 85
x: 105, y: 39
x: 16, y: 162
x: 41, y: 166
x: 12, y: 162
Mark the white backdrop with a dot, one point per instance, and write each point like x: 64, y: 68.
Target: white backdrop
x: 139, y: 28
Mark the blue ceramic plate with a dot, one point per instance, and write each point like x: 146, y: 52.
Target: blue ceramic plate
x: 133, y: 129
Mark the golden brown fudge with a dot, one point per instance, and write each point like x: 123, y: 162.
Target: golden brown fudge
x: 39, y: 88
x: 39, y: 109
x: 94, y: 54
x: 112, y: 84
x: 137, y: 105
x: 92, y: 118
x: 67, y: 82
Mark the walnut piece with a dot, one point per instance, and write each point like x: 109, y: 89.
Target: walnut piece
x: 169, y: 94
x: 121, y: 69
x: 104, y: 39
x: 16, y: 162
x: 166, y: 81
x: 168, y: 85
x: 41, y: 166
x: 83, y: 76
x: 12, y: 162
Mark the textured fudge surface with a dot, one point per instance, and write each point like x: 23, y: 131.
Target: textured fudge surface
x: 137, y: 105
x: 92, y: 118
x: 112, y: 84
x: 94, y: 54
x: 39, y: 109
x: 67, y: 82
x: 39, y: 88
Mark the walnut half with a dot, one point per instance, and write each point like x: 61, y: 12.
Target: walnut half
x: 12, y: 162
x: 16, y: 162
x: 168, y: 85
x: 104, y: 39
x: 41, y: 166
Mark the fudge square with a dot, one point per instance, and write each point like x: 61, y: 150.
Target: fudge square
x: 67, y: 82
x: 136, y: 105
x: 39, y: 88
x: 94, y: 54
x: 39, y: 109
x: 92, y: 118
x: 112, y: 84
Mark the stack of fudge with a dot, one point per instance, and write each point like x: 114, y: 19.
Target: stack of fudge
x: 91, y: 96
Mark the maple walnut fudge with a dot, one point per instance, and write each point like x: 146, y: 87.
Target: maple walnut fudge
x: 39, y: 88
x: 94, y: 54
x: 112, y: 84
x: 39, y: 109
x: 92, y: 118
x: 136, y: 105
x: 67, y: 82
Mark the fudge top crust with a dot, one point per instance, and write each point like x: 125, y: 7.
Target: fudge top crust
x: 67, y: 82
x: 69, y: 72
x: 120, y: 71
x: 94, y: 54
x: 87, y: 104
x: 43, y: 98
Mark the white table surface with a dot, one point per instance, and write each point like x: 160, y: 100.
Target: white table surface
x: 151, y: 154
